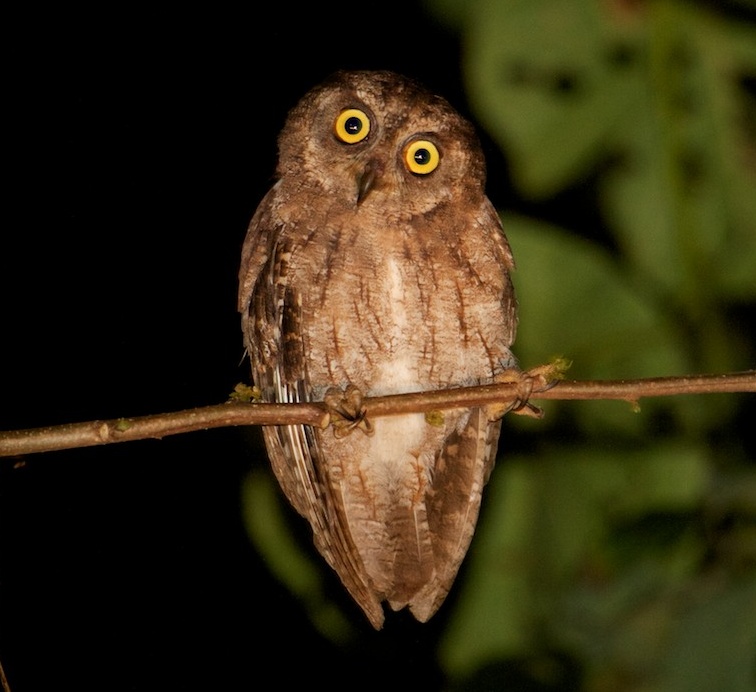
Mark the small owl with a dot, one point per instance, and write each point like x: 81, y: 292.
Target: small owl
x: 376, y: 265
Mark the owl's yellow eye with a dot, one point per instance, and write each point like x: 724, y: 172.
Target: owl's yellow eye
x: 352, y: 125
x: 421, y: 157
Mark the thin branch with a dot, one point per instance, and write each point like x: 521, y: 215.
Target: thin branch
x: 3, y: 680
x: 620, y: 390
x: 633, y: 390
x: 20, y: 442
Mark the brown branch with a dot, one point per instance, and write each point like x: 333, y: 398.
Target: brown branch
x: 622, y: 390
x: 74, y: 435
x: 3, y: 680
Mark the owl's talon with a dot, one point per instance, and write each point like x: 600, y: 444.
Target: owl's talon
x: 537, y: 379
x: 346, y: 411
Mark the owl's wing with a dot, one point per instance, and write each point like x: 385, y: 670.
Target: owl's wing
x: 464, y: 463
x: 462, y: 469
x: 273, y: 334
x: 504, y: 263
x: 255, y: 252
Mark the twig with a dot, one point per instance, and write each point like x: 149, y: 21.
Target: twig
x: 3, y: 680
x: 20, y: 442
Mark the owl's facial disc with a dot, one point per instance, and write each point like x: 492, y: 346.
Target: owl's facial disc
x: 368, y: 178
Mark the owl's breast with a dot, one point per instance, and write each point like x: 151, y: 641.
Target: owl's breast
x: 395, y: 311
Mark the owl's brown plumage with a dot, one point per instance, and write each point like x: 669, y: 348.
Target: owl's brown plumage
x: 376, y: 261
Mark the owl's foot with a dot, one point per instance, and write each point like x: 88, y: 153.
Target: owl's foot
x: 346, y: 411
x: 536, y: 379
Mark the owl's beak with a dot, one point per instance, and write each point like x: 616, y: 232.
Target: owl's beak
x: 368, y: 178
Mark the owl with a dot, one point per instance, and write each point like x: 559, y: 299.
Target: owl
x: 376, y: 265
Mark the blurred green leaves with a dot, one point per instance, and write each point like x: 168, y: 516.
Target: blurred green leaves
x: 601, y: 543
x: 652, y: 95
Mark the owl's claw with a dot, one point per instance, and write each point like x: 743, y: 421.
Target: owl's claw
x: 346, y: 411
x: 537, y: 379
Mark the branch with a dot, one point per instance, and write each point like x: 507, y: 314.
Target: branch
x: 74, y: 435
x: 3, y: 680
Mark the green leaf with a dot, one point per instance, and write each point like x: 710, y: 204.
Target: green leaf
x: 682, y: 201
x: 549, y: 81
x: 713, y: 646
x: 574, y: 302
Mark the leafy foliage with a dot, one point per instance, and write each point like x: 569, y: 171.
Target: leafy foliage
x: 601, y: 543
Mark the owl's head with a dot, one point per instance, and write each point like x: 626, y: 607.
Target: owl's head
x: 375, y: 138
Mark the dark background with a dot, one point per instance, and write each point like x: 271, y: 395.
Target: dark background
x: 137, y: 145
